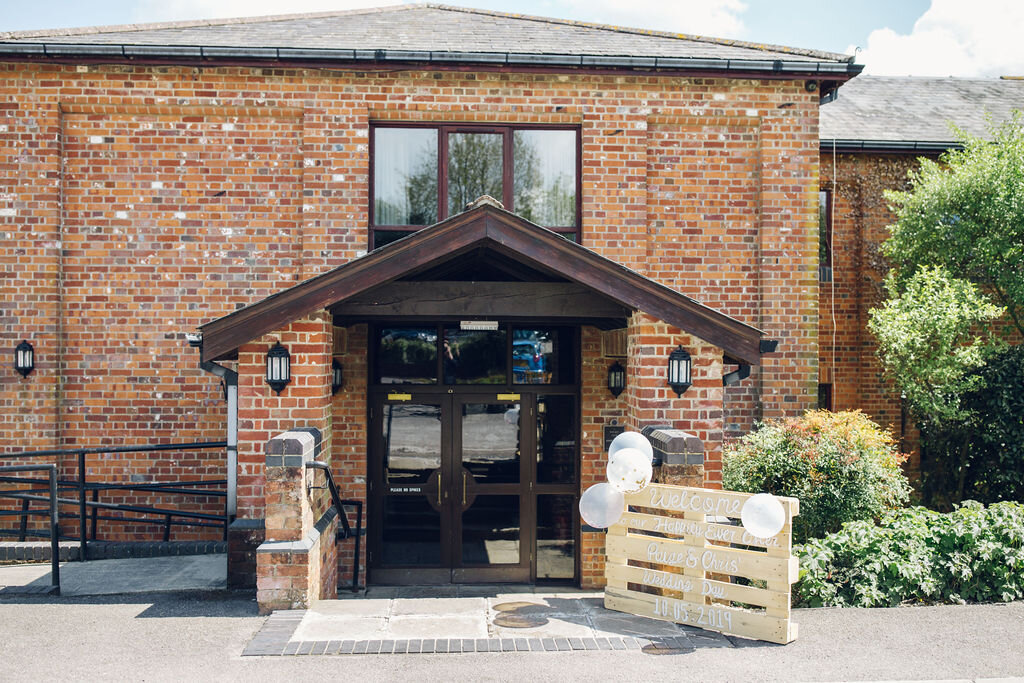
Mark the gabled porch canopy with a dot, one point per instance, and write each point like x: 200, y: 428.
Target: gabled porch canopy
x: 484, y: 262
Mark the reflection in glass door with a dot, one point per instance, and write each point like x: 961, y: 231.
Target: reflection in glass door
x: 489, y: 444
x: 411, y: 502
x: 473, y: 487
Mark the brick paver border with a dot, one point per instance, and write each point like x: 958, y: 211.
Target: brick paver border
x: 274, y: 640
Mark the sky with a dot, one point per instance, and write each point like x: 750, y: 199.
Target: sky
x: 966, y: 38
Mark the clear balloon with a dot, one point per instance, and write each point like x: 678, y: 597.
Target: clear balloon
x: 629, y: 470
x: 602, y: 506
x: 763, y: 515
x: 631, y: 440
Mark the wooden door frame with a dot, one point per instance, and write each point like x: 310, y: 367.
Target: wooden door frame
x: 530, y: 489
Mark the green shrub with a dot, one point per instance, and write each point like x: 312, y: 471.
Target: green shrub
x: 971, y: 554
x: 841, y: 466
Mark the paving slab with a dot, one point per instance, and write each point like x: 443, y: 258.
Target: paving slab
x: 535, y: 604
x: 134, y: 575
x: 333, y: 627
x: 352, y: 608
x: 623, y: 625
x: 554, y: 627
x: 450, y: 626
x: 437, y: 606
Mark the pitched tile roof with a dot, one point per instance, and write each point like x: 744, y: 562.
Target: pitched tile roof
x: 916, y: 110
x: 426, y: 29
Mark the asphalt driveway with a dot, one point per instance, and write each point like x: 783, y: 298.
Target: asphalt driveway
x: 201, y: 636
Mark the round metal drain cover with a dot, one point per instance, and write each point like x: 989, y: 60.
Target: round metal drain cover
x: 513, y: 620
x: 513, y: 606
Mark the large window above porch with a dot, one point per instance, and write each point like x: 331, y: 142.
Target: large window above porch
x: 425, y: 173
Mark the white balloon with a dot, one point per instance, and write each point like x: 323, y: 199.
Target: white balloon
x: 763, y: 515
x: 629, y: 470
x: 631, y: 440
x: 601, y: 506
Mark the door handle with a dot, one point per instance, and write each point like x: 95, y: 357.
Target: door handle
x: 463, y: 487
x: 438, y: 488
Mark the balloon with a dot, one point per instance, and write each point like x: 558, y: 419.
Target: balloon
x: 763, y: 515
x: 601, y: 506
x: 629, y: 470
x: 631, y: 440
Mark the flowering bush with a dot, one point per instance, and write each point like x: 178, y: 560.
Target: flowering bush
x: 841, y: 466
x: 970, y: 554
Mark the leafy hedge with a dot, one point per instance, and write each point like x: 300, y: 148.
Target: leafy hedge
x: 971, y: 554
x: 841, y: 466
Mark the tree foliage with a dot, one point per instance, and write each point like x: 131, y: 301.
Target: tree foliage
x: 957, y: 249
x: 966, y: 213
x: 930, y: 344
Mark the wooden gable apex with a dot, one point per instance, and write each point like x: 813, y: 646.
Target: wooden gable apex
x: 504, y: 233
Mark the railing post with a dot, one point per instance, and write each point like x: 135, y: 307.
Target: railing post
x: 54, y: 531
x: 359, y: 534
x: 167, y: 528
x: 23, y: 526
x: 83, y: 550
x: 95, y: 499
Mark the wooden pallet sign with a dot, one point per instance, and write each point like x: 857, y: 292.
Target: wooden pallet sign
x: 675, y: 554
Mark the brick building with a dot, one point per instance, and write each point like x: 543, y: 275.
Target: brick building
x: 253, y: 180
x: 871, y: 137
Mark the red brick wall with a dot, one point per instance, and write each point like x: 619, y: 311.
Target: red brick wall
x: 349, y: 451
x: 599, y: 409
x: 263, y: 414
x: 264, y: 177
x: 860, y: 219
x: 651, y: 401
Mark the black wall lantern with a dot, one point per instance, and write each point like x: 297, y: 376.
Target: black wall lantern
x: 616, y: 379
x: 679, y: 367
x: 337, y: 378
x: 24, y: 358
x: 279, y: 367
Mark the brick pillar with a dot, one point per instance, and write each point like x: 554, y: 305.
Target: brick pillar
x: 699, y: 411
x: 263, y: 414
x: 297, y: 564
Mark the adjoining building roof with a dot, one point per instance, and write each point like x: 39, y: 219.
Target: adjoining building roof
x: 875, y: 113
x: 417, y: 33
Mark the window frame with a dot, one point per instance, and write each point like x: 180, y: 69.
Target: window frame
x: 825, y: 273
x: 444, y: 129
x: 826, y: 397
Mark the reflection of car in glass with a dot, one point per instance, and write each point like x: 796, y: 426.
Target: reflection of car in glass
x: 528, y: 362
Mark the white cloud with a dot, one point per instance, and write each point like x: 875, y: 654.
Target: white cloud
x: 980, y: 38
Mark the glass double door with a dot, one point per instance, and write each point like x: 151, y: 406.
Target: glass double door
x: 454, y: 494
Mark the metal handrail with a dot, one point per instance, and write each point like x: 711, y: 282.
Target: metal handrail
x: 51, y: 471
x: 199, y: 445
x: 83, y: 486
x: 339, y: 504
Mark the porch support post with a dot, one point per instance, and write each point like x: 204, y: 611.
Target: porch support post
x: 278, y: 501
x: 699, y: 411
